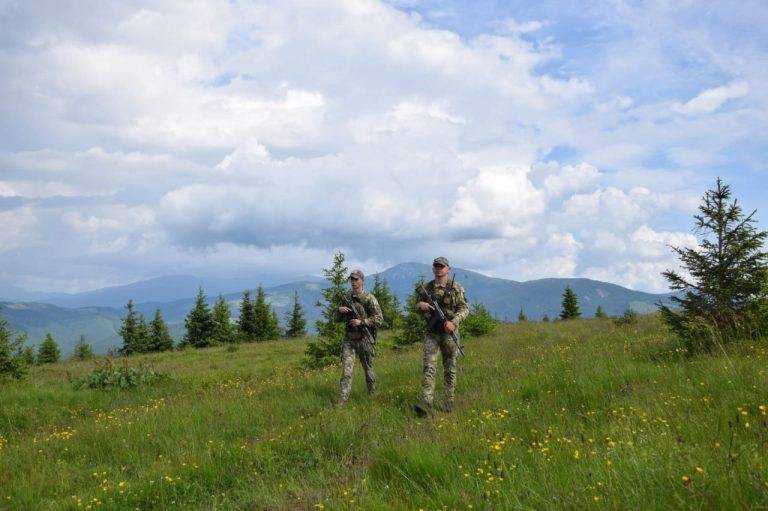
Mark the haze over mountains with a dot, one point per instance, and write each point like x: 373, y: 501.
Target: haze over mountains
x: 97, y: 314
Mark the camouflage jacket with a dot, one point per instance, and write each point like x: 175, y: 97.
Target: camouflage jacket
x: 368, y: 309
x: 452, y: 299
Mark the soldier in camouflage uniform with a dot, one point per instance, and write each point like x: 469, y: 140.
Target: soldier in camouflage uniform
x: 453, y: 301
x: 354, y: 343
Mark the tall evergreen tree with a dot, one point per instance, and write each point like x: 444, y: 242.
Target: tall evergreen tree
x: 27, y: 355
x: 159, y: 337
x: 600, y: 312
x: 199, y: 324
x: 726, y: 295
x: 13, y: 363
x: 246, y: 323
x: 142, y: 341
x: 521, y: 317
x: 390, y: 310
x: 83, y: 350
x: 266, y: 323
x: 128, y: 330
x: 273, y: 331
x: 49, y: 351
x: 570, y: 305
x: 414, y: 326
x: 295, y: 324
x: 327, y: 348
x: 224, y: 331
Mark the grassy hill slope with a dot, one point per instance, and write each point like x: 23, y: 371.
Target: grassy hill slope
x: 565, y: 415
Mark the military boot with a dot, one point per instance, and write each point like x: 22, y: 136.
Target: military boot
x: 422, y: 408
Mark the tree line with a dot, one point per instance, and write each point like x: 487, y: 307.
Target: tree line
x: 206, y: 326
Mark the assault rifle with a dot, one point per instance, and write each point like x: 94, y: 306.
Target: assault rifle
x: 439, y: 315
x: 368, y: 339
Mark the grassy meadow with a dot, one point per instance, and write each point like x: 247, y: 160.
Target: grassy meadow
x: 564, y: 415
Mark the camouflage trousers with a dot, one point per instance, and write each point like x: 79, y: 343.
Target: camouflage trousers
x: 434, y: 344
x: 349, y: 349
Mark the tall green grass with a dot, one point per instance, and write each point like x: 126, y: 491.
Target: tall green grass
x: 564, y: 415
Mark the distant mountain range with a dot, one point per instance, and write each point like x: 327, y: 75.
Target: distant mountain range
x: 97, y: 314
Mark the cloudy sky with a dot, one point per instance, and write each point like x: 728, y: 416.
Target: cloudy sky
x: 521, y: 139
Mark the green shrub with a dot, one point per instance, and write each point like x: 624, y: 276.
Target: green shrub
x: 413, y: 325
x: 49, y: 352
x: 108, y: 376
x: 628, y: 318
x: 479, y: 322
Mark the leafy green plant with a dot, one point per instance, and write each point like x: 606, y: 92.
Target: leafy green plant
x: 109, y: 376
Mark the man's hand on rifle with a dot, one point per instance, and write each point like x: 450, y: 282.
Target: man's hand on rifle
x: 344, y: 310
x: 449, y: 327
x: 425, y: 307
x: 355, y: 322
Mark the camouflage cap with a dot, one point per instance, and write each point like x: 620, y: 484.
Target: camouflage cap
x: 441, y: 260
x: 357, y: 273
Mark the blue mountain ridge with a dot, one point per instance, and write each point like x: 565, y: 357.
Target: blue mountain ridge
x: 504, y: 298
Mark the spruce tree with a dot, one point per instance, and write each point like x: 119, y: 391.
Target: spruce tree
x: 159, y: 337
x: 545, y: 319
x: 224, y: 331
x: 521, y: 317
x: 83, y: 350
x: 326, y: 349
x: 246, y: 323
x: 726, y: 296
x: 628, y: 318
x: 13, y: 363
x: 397, y: 321
x: 390, y: 310
x: 296, y: 325
x: 600, y: 312
x: 199, y: 324
x: 49, y: 351
x: 267, y: 326
x: 128, y: 330
x: 479, y: 322
x: 28, y: 355
x: 414, y: 326
x: 273, y: 330
x: 142, y: 341
x: 570, y: 305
